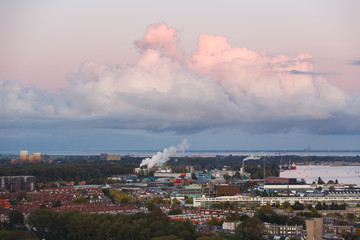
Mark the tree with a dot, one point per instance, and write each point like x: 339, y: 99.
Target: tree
x: 265, y: 208
x: 215, y: 222
x: 21, y: 196
x: 175, y: 202
x: 17, y: 234
x: 320, y: 181
x: 175, y: 211
x: 251, y: 229
x: 157, y: 200
x: 150, y: 206
x: 56, y: 203
x: 227, y: 176
x: 298, y: 206
x: 314, y: 213
x: 236, y: 217
x: 16, y: 217
x: 13, y: 202
x: 106, y: 192
x: 81, y: 199
x: 296, y: 221
x: 42, y: 218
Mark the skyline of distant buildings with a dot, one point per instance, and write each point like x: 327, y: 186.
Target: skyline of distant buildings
x: 36, y: 157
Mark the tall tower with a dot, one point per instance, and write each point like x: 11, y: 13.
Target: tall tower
x: 24, y: 155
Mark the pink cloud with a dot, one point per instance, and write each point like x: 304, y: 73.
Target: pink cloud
x: 161, y: 37
x: 217, y: 85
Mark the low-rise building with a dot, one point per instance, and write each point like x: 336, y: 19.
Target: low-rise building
x: 242, y: 199
x: 284, y: 230
x: 193, y: 190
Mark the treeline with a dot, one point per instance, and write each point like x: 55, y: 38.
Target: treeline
x: 48, y: 224
x: 77, y: 225
x: 92, y: 173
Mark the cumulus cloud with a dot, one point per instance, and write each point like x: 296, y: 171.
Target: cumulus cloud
x: 160, y: 37
x: 216, y: 86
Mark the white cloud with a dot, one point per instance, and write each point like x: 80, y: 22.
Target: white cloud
x: 216, y: 86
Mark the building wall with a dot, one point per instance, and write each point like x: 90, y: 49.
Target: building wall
x: 242, y: 199
x: 192, y: 190
x: 314, y: 228
x: 284, y: 230
x: 37, y: 157
x: 24, y: 155
x: 227, y: 190
x: 113, y: 157
x: 17, y: 183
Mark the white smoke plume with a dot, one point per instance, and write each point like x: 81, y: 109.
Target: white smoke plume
x: 253, y: 157
x: 162, y: 157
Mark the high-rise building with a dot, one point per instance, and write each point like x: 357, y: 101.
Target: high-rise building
x: 16, y: 183
x: 35, y: 157
x: 314, y: 228
x: 24, y: 155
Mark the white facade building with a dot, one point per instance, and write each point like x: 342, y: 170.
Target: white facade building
x: 241, y: 199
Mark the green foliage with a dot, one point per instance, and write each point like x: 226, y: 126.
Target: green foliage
x: 320, y: 181
x: 17, y: 234
x: 225, y: 205
x: 215, y: 222
x: 236, y: 217
x: 333, y: 206
x: 81, y: 199
x: 21, y: 196
x: 157, y: 200
x: 298, y: 206
x: 257, y: 172
x: 140, y: 226
x: 150, y: 206
x: 121, y: 196
x: 175, y: 211
x: 265, y: 208
x: 312, y: 214
x: 16, y: 217
x: 42, y: 218
x: 251, y: 229
x: 13, y: 202
x: 106, y: 192
x: 92, y: 172
x: 56, y: 203
x: 175, y: 202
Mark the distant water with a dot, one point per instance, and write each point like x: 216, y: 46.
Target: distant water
x: 344, y: 174
x: 203, y: 153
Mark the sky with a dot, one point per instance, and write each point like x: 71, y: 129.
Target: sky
x: 133, y: 75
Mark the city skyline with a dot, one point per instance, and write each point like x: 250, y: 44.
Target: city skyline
x: 234, y: 76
